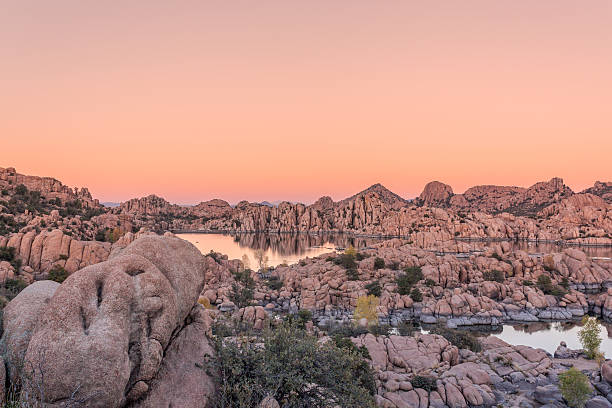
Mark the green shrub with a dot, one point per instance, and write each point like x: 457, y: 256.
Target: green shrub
x: 380, y: 329
x: 58, y: 274
x: 243, y: 289
x: 545, y: 284
x: 295, y: 369
x: 430, y: 282
x: 305, y: 315
x: 345, y: 330
x: 379, y: 263
x: 416, y: 295
x: 374, y: 288
x: 461, y: 339
x: 13, y: 287
x: 426, y: 383
x: 494, y: 276
x: 8, y: 254
x: 405, y: 281
x: 274, y: 283
x: 575, y: 387
x: 406, y: 328
x: 527, y: 283
x: 347, y: 344
x: 347, y: 261
x: 21, y: 189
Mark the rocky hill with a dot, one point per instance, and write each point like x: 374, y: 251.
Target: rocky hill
x: 496, y: 199
x: 601, y: 189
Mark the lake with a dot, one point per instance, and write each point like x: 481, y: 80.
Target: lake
x: 280, y: 248
x: 544, y: 335
x: 291, y: 247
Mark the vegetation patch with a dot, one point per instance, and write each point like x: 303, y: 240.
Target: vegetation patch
x: 294, y: 368
x: 460, y: 338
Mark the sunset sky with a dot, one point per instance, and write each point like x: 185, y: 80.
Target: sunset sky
x: 269, y: 100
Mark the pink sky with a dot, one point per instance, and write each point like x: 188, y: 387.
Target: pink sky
x: 270, y: 100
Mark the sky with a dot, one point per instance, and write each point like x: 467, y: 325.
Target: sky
x: 292, y: 100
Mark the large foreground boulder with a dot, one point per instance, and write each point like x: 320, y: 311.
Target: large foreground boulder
x: 116, y: 331
x: 19, y: 320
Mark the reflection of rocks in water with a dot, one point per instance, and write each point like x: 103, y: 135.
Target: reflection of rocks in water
x: 532, y: 327
x: 291, y: 244
x: 478, y: 330
x: 541, y: 248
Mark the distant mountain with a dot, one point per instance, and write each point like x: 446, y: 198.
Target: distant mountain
x: 267, y: 203
x: 110, y: 204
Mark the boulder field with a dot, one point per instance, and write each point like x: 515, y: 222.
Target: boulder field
x: 455, y: 290
x: 123, y: 332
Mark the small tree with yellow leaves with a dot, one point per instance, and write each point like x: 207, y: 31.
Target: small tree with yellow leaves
x: 351, y: 251
x: 366, y: 309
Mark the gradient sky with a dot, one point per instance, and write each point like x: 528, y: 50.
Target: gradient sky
x: 257, y: 100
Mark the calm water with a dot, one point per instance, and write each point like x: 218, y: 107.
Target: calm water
x: 279, y: 248
x: 291, y: 248
x: 547, y: 335
x: 546, y: 248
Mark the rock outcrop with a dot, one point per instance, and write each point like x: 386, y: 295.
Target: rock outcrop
x: 118, y: 332
x: 436, y: 194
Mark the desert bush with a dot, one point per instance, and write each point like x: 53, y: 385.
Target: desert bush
x: 405, y: 281
x: 345, y: 330
x: 242, y: 290
x: 347, y: 344
x: 430, y: 282
x: 374, y: 288
x: 379, y: 263
x: 294, y: 368
x: 12, y: 287
x: 461, y: 339
x: 21, y: 189
x: 274, y: 283
x: 406, y: 328
x: 494, y: 276
x: 380, y: 329
x: 426, y: 383
x: 58, y: 274
x: 544, y: 283
x: 8, y: 254
x: 575, y: 387
x: 589, y: 336
x: 416, y: 295
x: 346, y: 261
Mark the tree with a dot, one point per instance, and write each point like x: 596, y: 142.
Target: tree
x: 262, y: 259
x: 374, y: 288
x: 246, y: 262
x: 416, y: 295
x: 589, y: 336
x: 350, y: 251
x: 379, y: 263
x: 366, y: 309
x: 575, y: 387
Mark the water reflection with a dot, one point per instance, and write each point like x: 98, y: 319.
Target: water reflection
x: 280, y: 248
x: 544, y: 335
x: 542, y: 248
